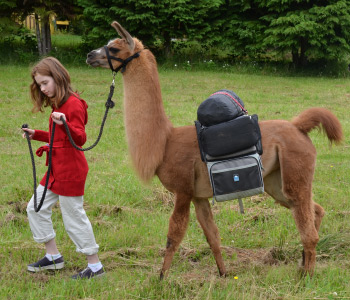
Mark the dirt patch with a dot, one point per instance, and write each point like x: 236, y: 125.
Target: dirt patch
x: 255, y: 200
x: 108, y: 210
x: 160, y: 194
x: 12, y: 218
x: 235, y: 255
x: 263, y: 215
x: 237, y: 261
x: 251, y: 256
x: 125, y: 257
x: 343, y: 213
x: 20, y: 207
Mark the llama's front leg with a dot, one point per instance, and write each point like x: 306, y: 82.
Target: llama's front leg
x: 177, y: 227
x: 206, y: 220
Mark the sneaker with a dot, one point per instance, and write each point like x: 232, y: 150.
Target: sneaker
x: 45, y: 264
x: 87, y: 274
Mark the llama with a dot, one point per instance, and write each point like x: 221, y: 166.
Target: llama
x: 158, y: 148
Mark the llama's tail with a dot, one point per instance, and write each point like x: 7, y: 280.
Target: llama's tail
x: 317, y: 116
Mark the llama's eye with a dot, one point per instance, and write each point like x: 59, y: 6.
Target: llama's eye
x: 114, y: 50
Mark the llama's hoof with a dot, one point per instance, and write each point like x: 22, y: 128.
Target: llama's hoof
x: 161, y: 275
x: 222, y: 274
x: 303, y: 272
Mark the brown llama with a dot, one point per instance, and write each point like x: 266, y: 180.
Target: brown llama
x: 157, y: 148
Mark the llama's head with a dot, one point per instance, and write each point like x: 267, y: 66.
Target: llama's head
x: 120, y: 49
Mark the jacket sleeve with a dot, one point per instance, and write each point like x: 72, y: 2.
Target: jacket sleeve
x: 76, y: 121
x: 42, y: 136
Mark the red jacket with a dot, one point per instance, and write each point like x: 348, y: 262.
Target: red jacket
x: 69, y: 166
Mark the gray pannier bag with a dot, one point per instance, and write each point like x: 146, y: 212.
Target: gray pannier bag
x: 231, y: 149
x: 236, y: 177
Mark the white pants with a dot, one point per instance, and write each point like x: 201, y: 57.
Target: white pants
x: 74, y: 217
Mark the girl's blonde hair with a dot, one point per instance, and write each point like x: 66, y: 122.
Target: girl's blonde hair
x: 50, y: 66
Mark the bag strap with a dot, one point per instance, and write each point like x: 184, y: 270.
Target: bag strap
x: 199, y: 130
x: 258, y: 145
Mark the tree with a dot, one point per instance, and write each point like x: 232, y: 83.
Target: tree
x: 237, y: 26
x: 309, y: 30
x: 42, y: 11
x: 149, y: 20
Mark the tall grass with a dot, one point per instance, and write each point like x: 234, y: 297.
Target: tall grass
x: 261, y: 248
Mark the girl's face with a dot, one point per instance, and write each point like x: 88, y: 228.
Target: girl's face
x: 47, y: 85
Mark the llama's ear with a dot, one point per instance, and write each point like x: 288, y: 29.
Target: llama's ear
x: 124, y: 34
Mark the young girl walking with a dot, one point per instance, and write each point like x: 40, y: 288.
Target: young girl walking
x: 51, y: 87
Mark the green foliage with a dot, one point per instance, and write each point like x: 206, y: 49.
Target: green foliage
x: 303, y: 33
x: 151, y: 21
x: 17, y: 43
x: 7, y: 27
x: 297, y: 31
x: 19, y: 10
x: 236, y: 26
x: 309, y: 30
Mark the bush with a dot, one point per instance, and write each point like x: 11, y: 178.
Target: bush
x: 18, y: 46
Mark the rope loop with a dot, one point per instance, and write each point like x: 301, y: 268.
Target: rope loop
x: 36, y: 206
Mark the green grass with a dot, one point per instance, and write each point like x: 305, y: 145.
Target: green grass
x: 261, y: 249
x: 64, y: 40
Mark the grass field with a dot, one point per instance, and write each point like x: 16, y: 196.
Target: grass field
x: 261, y: 248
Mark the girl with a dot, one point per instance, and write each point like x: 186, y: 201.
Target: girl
x: 51, y: 87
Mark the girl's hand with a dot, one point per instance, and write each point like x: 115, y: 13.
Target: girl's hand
x: 30, y: 132
x: 55, y: 116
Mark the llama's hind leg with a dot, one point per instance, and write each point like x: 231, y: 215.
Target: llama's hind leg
x: 297, y: 176
x: 305, y: 222
x: 306, y: 213
x: 177, y: 228
x: 206, y: 220
x: 319, y: 213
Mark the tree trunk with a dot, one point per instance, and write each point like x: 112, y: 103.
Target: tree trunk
x: 49, y: 44
x: 38, y: 35
x: 167, y: 44
x: 295, y: 57
x: 43, y: 34
x: 299, y: 54
x: 303, y: 47
x: 46, y: 34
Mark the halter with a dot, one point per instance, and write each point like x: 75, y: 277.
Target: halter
x: 123, y: 61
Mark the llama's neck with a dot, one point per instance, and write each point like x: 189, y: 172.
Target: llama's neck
x: 147, y: 127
